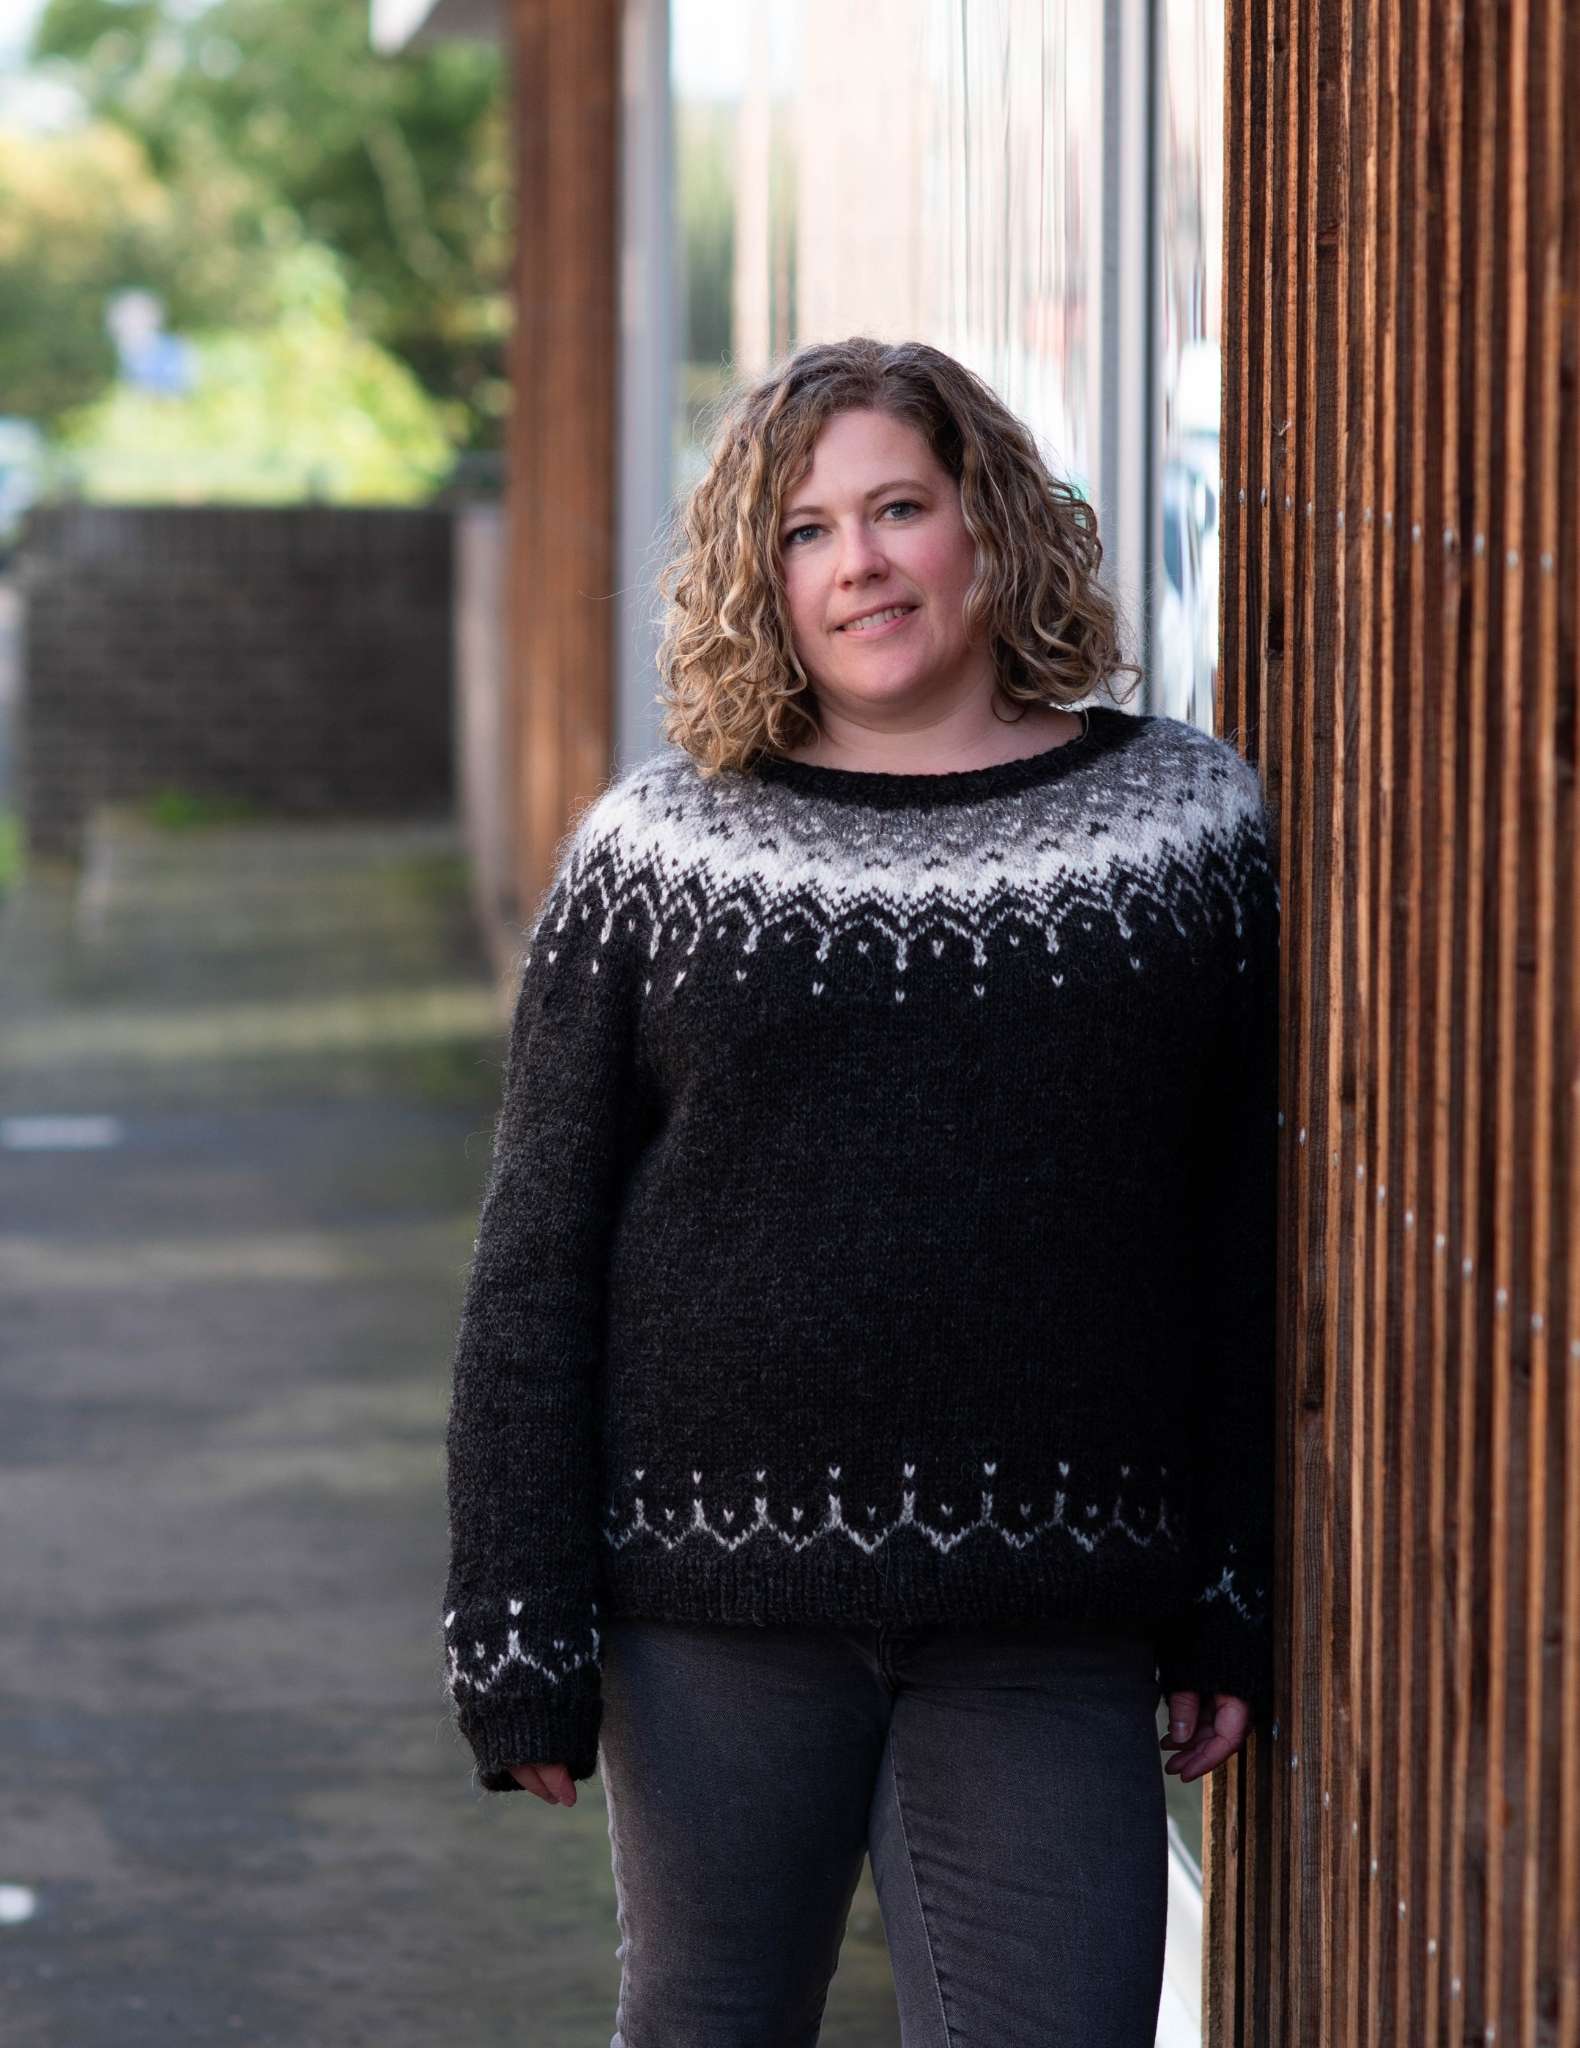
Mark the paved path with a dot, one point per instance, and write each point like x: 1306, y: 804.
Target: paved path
x: 10, y: 636
x: 231, y: 1805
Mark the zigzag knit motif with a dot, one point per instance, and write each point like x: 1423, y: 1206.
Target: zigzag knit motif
x: 475, y: 1667
x: 880, y: 1222
x: 725, y: 1526
x: 1158, y: 842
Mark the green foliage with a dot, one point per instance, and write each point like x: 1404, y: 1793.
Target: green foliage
x: 399, y: 164
x: 10, y: 848
x: 431, y: 879
x: 83, y: 216
x: 185, y: 810
x: 70, y: 215
x: 307, y: 408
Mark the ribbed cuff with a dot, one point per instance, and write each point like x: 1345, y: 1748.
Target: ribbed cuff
x: 525, y: 1731
x: 1211, y: 1653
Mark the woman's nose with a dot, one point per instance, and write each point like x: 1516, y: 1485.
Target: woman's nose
x: 859, y: 553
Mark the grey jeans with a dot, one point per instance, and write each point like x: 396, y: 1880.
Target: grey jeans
x: 1006, y: 1782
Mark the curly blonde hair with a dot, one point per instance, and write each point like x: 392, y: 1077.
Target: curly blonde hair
x: 733, y: 687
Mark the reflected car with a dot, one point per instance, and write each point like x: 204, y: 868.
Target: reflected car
x: 1187, y: 608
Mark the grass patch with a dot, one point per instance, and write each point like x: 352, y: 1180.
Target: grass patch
x: 10, y: 848
x: 185, y: 810
x: 436, y: 880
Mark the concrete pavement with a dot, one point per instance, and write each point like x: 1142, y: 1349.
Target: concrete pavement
x: 10, y: 632
x: 233, y: 1809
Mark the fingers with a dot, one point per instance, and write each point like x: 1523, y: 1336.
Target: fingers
x: 559, y: 1782
x: 1216, y: 1737
x: 1200, y: 1757
x: 1184, y: 1712
x: 551, y: 1783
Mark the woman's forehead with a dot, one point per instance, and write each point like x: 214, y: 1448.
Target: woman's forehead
x: 869, y: 452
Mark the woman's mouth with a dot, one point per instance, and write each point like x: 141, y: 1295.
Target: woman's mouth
x: 876, y: 623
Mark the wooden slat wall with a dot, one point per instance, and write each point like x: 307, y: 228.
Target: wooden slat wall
x: 1397, y: 1859
x: 560, y: 557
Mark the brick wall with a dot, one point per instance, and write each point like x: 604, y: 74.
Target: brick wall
x: 299, y: 657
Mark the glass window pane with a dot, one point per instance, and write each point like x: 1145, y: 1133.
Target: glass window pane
x: 910, y: 169
x: 1190, y: 274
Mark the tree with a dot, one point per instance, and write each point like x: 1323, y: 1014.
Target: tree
x: 82, y: 216
x: 398, y: 164
x: 308, y: 408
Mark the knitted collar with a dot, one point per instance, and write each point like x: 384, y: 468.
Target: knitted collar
x: 1106, y: 726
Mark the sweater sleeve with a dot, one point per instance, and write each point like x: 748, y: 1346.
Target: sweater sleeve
x: 1223, y: 1641
x: 521, y: 1614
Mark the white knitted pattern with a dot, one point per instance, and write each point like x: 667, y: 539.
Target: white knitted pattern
x: 1153, y: 832
x: 1156, y: 833
x: 470, y: 1669
x: 469, y: 1666
x: 1087, y: 1526
x: 1223, y: 1588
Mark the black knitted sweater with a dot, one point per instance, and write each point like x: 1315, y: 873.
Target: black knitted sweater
x: 880, y: 1226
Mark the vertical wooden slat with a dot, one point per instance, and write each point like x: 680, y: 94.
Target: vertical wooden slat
x: 1379, y: 1172
x: 1335, y: 1660
x: 1563, y: 85
x: 1484, y: 1611
x: 1375, y: 773
x: 1463, y: 664
x: 1515, y: 1165
x: 561, y: 448
x: 1397, y: 1860
x: 1412, y: 526
x: 1329, y: 389
x: 1224, y: 1950
x: 1427, y: 859
x: 1297, y: 1767
x: 1349, y: 999
x: 1450, y: 1446
x: 1418, y: 1825
x: 1540, y: 967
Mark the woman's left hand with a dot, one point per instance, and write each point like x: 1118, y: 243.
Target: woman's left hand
x: 1203, y: 1733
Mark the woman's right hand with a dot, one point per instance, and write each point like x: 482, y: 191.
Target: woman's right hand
x: 552, y: 1782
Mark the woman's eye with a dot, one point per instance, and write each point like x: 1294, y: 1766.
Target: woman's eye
x: 894, y: 505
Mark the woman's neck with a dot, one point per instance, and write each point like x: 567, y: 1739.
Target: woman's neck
x: 1034, y: 731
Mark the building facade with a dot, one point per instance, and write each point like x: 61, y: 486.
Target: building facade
x: 1292, y: 295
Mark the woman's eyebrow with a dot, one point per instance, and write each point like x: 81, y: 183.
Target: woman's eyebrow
x: 910, y: 483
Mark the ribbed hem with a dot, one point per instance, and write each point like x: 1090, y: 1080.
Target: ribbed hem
x: 907, y: 1583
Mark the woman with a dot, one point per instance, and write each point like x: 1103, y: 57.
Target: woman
x: 863, y: 1395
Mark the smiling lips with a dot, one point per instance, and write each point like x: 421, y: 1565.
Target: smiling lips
x: 877, y: 622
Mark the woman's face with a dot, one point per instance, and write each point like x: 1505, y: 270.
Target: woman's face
x: 874, y: 525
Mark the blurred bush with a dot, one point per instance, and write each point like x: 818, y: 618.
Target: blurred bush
x: 82, y: 216
x: 305, y: 408
x: 218, y: 143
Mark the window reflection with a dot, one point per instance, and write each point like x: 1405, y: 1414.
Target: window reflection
x: 1190, y: 227
x: 905, y: 168
x: 934, y: 169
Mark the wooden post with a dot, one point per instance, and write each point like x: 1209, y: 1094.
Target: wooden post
x: 561, y: 551
x: 1397, y: 1859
